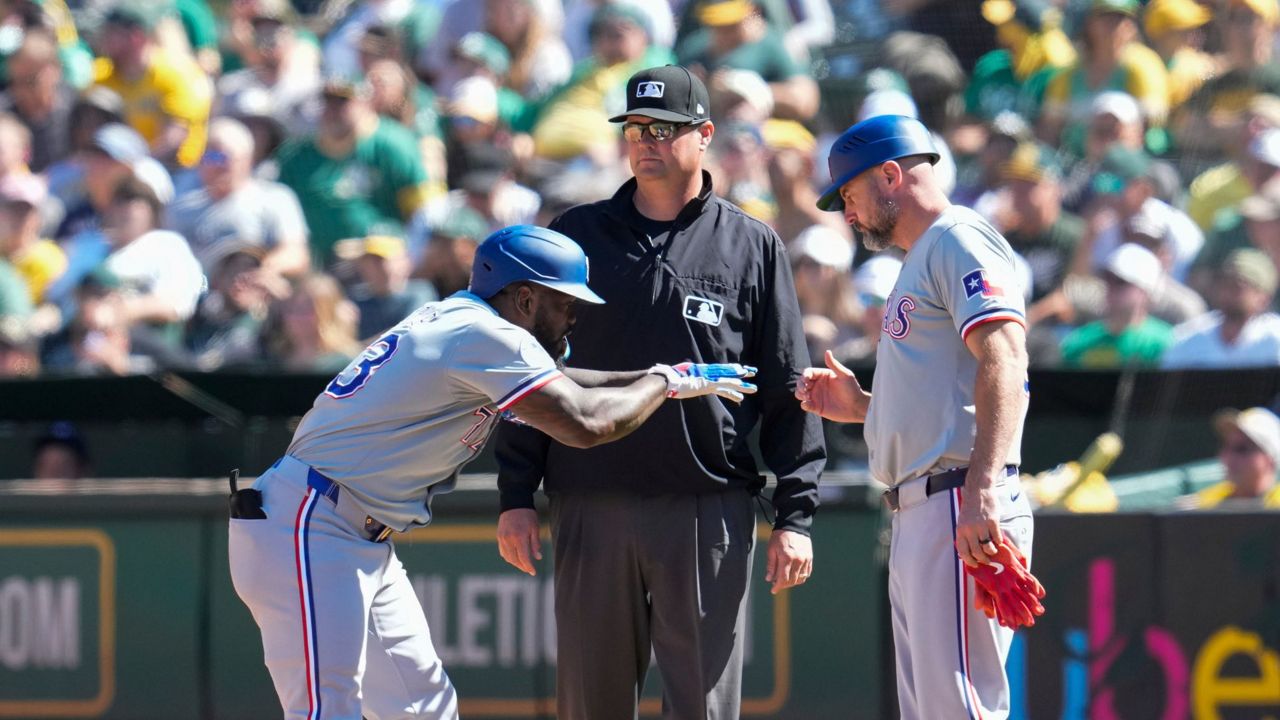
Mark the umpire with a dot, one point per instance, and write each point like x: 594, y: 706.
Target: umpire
x: 654, y: 534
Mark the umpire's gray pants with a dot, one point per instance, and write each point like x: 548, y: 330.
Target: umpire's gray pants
x: 669, y: 572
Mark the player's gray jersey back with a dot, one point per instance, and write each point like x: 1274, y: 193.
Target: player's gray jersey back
x: 395, y: 426
x: 958, y: 276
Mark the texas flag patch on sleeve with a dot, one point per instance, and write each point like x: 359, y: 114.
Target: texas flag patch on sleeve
x: 976, y: 283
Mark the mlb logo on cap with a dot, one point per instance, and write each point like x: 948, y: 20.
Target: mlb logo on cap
x: 669, y: 93
x: 650, y: 89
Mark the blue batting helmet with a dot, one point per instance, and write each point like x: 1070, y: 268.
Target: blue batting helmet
x: 873, y: 141
x: 531, y: 254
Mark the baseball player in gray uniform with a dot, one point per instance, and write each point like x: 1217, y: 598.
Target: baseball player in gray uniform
x: 945, y: 421
x: 343, y: 634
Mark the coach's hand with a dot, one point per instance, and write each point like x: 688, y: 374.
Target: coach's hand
x: 978, y: 526
x: 518, y: 539
x: 790, y: 559
x: 833, y: 392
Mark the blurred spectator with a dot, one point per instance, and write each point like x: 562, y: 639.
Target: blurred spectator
x: 19, y: 354
x: 487, y: 184
x: 61, y: 453
x: 98, y: 106
x: 1210, y: 119
x: 167, y: 96
x: 314, y: 329
x: 232, y: 206
x: 791, y: 167
x: 1253, y: 222
x: 1112, y: 58
x: 1249, y: 451
x: 1084, y: 298
x: 1126, y: 335
x: 446, y: 259
x: 581, y: 15
x: 1240, y: 332
x: 278, y: 65
x: 982, y: 175
x: 1261, y: 214
x: 15, y: 146
x: 160, y: 280
x: 1032, y: 48
x: 540, y: 62
x: 253, y: 110
x: 226, y: 328
x: 460, y: 18
x: 574, y: 120
x: 37, y: 260
x: 741, y: 96
x: 735, y: 35
x: 116, y: 153
x: 1174, y: 28
x: 1028, y: 212
x: 395, y: 93
x: 386, y: 295
x: 1116, y: 119
x: 740, y: 165
x: 359, y: 174
x: 97, y: 340
x: 820, y: 262
x: 15, y: 299
x: 416, y: 22
x: 1251, y: 165
x: 38, y: 97
x: 873, y: 283
x: 1125, y: 187
x: 472, y: 113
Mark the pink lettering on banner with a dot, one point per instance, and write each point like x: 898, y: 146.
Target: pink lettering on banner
x: 1105, y: 646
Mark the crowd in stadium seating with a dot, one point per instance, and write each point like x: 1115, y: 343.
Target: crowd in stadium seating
x: 269, y: 183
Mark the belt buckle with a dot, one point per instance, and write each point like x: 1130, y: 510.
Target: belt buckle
x: 381, y: 535
x: 891, y: 498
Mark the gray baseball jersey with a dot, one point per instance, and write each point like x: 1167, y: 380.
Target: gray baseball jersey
x: 444, y: 376
x: 958, y: 276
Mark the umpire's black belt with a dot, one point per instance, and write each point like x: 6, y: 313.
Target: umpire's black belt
x: 938, y: 482
x: 372, y: 530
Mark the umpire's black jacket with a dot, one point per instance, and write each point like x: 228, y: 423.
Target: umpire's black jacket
x: 716, y: 288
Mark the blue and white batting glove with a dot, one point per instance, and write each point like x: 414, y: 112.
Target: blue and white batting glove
x: 687, y: 380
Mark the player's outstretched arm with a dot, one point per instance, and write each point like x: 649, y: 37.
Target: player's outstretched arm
x: 585, y: 417
x: 833, y: 392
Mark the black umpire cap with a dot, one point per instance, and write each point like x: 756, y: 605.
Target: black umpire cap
x: 669, y: 93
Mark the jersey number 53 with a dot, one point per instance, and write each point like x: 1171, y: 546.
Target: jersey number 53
x: 350, y: 380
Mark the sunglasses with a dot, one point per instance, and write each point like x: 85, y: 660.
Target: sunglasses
x: 1240, y: 448
x: 659, y: 131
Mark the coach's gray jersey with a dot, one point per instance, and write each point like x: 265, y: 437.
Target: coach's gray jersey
x: 959, y: 275
x: 394, y: 427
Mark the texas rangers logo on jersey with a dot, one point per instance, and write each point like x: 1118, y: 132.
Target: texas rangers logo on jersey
x: 897, y: 317
x: 652, y: 88
x: 976, y: 283
x: 703, y: 310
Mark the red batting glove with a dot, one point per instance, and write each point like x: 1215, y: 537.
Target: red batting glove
x: 983, y: 601
x: 1013, y: 591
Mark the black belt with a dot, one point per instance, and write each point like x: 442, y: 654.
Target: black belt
x: 945, y: 480
x: 373, y: 530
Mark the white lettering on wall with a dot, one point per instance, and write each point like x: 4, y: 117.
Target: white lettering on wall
x: 39, y: 623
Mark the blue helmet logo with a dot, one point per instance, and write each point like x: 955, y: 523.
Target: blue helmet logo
x: 531, y: 254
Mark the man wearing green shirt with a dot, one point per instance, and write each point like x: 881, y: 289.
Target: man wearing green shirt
x: 1031, y: 217
x: 358, y: 175
x: 1126, y: 336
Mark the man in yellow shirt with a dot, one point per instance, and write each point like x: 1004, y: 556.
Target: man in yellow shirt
x: 39, y: 262
x: 1225, y: 186
x: 1249, y: 453
x: 167, y: 97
